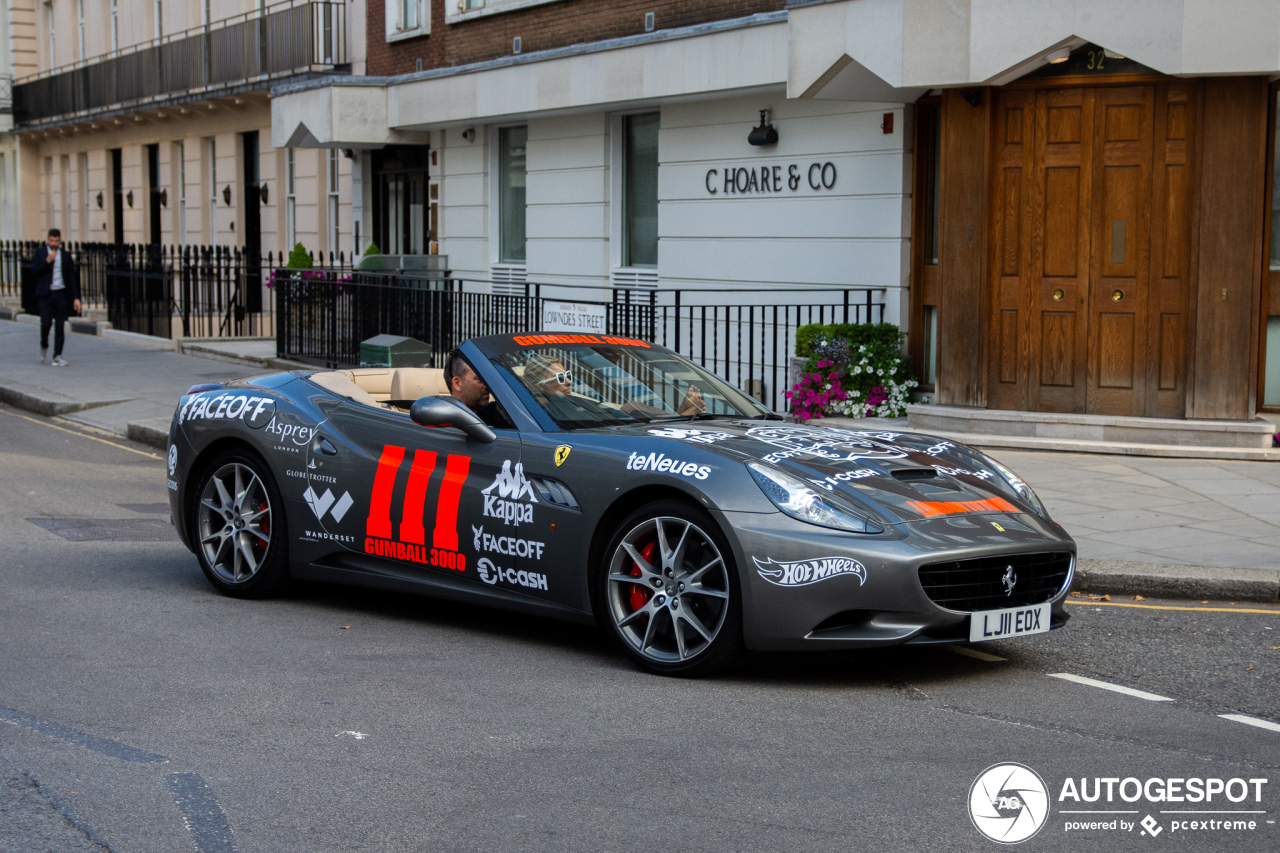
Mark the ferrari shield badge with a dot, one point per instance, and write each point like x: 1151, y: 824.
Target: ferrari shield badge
x: 562, y: 453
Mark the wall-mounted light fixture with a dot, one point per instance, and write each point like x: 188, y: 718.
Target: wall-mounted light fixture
x: 517, y: 44
x: 100, y: 203
x: 765, y: 134
x: 164, y: 198
x: 469, y: 135
x: 262, y: 191
x: 129, y: 197
x: 1060, y: 55
x: 226, y: 194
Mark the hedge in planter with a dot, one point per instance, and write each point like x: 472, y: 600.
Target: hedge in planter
x: 851, y: 370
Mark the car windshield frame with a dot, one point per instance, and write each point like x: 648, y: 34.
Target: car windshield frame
x: 596, y: 400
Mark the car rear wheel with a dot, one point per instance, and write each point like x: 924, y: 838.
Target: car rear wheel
x: 239, y: 527
x: 669, y: 592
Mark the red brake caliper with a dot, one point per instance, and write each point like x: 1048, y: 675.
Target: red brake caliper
x: 266, y: 525
x: 640, y: 595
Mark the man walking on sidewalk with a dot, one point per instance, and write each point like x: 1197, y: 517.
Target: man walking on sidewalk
x: 58, y: 290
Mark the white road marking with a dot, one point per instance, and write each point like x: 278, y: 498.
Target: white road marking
x: 1252, y: 721
x: 1128, y: 691
x: 356, y: 735
x: 975, y: 654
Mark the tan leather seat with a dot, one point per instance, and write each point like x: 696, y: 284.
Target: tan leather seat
x: 414, y: 383
x: 376, y: 381
x: 340, y: 382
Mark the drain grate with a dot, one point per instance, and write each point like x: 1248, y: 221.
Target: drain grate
x: 109, y: 529
x: 146, y: 509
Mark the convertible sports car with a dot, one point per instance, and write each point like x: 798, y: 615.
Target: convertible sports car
x: 614, y: 482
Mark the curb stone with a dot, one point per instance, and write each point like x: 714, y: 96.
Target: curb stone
x: 1165, y: 580
x: 154, y: 433
x: 44, y: 402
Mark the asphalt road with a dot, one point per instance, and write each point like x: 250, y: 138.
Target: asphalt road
x: 144, y: 712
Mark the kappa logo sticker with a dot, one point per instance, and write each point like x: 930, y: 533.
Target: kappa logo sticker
x: 805, y: 572
x: 512, y: 490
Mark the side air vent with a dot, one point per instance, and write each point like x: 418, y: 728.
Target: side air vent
x: 549, y: 491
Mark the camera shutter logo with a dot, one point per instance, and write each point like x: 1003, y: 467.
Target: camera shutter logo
x: 1008, y: 803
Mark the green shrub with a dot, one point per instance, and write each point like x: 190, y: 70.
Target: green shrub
x: 299, y: 258
x: 373, y: 249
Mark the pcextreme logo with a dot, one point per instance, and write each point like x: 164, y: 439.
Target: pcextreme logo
x: 408, y: 541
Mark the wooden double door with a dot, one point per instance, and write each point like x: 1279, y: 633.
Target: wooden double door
x: 1089, y: 266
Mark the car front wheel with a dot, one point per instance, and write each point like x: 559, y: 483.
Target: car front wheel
x: 239, y: 527
x: 669, y: 593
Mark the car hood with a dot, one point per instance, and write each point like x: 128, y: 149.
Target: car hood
x: 901, y: 477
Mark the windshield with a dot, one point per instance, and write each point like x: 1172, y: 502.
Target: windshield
x: 602, y: 385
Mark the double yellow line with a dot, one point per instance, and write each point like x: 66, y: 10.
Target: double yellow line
x: 1275, y: 612
x: 80, y: 433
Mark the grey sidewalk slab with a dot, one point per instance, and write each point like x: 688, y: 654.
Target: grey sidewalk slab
x: 108, y: 383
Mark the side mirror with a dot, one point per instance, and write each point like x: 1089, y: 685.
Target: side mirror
x: 448, y: 412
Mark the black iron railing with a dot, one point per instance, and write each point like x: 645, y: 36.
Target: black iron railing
x: 287, y: 38
x: 745, y: 336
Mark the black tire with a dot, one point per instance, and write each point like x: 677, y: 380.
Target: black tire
x: 238, y: 526
x: 680, y: 614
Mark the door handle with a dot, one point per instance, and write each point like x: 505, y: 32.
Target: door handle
x: 320, y: 444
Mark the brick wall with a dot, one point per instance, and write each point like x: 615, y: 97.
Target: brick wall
x: 539, y: 27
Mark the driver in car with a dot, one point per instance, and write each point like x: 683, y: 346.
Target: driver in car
x: 466, y: 386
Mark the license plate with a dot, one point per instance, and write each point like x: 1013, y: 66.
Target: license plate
x: 1011, y: 622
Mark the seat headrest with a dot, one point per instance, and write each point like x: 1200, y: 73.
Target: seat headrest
x: 414, y: 383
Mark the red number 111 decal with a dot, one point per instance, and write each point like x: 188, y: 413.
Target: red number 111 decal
x: 444, y: 537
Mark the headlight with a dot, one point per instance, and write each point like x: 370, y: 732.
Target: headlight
x: 1018, y: 485
x: 795, y: 498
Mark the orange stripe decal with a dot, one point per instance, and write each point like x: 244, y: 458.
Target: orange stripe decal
x: 932, y: 509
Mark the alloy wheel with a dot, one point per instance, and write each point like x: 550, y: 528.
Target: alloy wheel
x: 668, y: 590
x: 235, y: 523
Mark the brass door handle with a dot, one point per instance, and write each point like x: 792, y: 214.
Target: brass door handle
x: 1117, y: 295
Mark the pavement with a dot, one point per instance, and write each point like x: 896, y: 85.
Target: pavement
x: 142, y: 712
x: 1180, y: 528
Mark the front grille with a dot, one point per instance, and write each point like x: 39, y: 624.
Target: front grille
x: 969, y: 585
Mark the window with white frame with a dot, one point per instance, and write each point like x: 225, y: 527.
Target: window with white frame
x: 53, y: 31
x: 333, y: 160
x: 85, y: 201
x: 407, y: 18
x: 640, y: 190
x: 64, y: 186
x: 512, y: 142
x: 290, y: 200
x: 465, y: 9
x: 115, y: 24
x: 180, y: 154
x: 80, y: 28
x: 213, y: 190
x: 159, y: 18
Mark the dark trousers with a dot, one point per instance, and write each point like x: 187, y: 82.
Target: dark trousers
x: 54, y: 309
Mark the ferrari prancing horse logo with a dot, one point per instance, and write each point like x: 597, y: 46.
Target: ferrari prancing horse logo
x: 562, y: 453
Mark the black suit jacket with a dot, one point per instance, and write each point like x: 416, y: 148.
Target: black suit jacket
x: 44, y: 273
